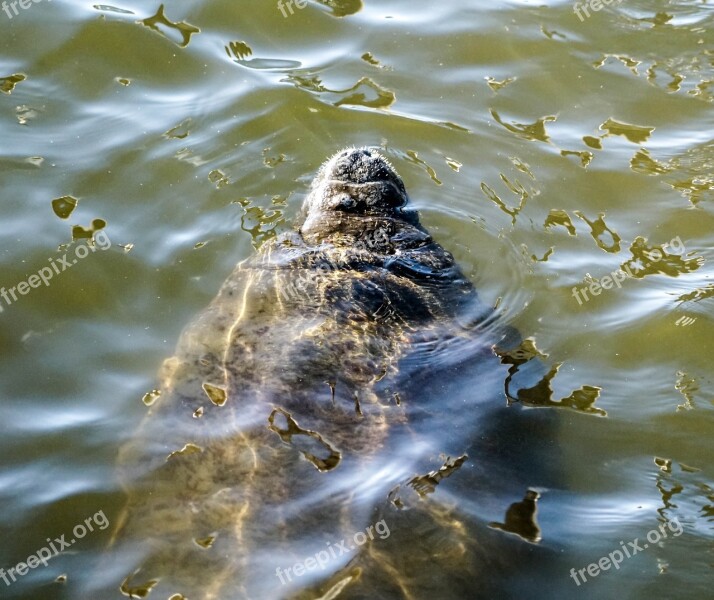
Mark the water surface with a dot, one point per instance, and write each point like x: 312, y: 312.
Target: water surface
x: 543, y: 151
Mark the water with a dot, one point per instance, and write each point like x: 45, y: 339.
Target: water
x: 517, y: 127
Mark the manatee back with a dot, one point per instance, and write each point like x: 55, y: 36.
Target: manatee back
x: 295, y: 387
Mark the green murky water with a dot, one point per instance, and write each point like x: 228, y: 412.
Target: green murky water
x: 554, y: 156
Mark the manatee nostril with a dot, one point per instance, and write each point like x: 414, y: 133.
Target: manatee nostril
x: 356, y: 155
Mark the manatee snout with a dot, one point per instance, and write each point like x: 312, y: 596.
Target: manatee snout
x: 359, y: 166
x: 355, y: 181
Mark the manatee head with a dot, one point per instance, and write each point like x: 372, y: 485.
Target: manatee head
x: 353, y: 183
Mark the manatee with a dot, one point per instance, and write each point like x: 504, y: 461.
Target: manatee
x: 327, y: 390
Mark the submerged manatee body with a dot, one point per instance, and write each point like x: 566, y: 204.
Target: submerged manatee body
x: 300, y: 405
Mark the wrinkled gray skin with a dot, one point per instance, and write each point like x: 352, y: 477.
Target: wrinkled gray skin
x: 325, y: 360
